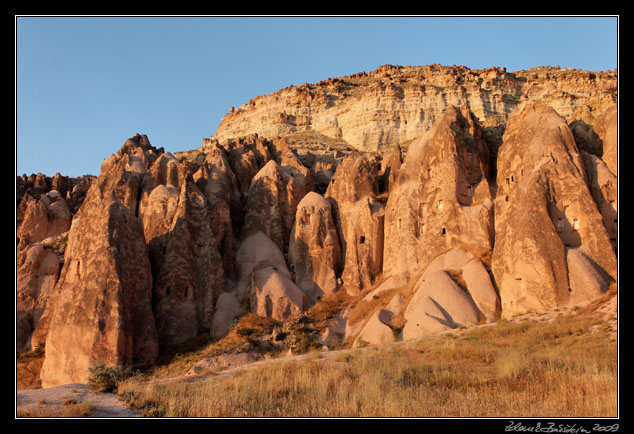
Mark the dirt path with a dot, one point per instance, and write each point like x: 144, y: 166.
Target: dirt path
x: 49, y: 402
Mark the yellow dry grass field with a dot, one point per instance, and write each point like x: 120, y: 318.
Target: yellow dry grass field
x: 565, y: 367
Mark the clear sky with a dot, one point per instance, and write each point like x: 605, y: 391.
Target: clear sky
x: 86, y: 84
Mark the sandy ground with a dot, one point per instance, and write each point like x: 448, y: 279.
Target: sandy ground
x: 107, y: 405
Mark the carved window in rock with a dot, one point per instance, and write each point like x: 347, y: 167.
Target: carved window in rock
x: 362, y: 239
x: 398, y: 223
x: 575, y: 223
x: 421, y: 208
x: 76, y: 273
x: 468, y: 191
x: 521, y: 285
x: 560, y: 225
x: 442, y: 154
x: 429, y: 173
x: 421, y: 228
x: 444, y: 231
x: 440, y: 204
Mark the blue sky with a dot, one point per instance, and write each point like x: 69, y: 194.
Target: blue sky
x: 86, y: 84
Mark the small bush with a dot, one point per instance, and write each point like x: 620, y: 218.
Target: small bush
x: 105, y: 378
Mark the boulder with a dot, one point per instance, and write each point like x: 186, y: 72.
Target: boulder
x: 314, y: 251
x: 438, y: 304
x: 272, y: 294
x: 481, y: 289
x: 227, y: 308
x: 375, y: 331
x: 256, y: 252
x: 585, y: 280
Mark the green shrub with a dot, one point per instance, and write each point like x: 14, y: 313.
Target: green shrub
x: 105, y: 378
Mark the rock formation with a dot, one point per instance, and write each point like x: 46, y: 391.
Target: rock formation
x: 42, y: 218
x: 604, y: 189
x: 434, y: 197
x: 440, y: 199
x: 314, y: 250
x: 37, y: 272
x: 217, y: 182
x: 398, y: 104
x: 102, y: 302
x: 272, y: 294
x: 359, y: 217
x: 274, y: 194
x: 543, y: 210
x: 265, y: 281
x: 438, y: 304
x: 191, y: 276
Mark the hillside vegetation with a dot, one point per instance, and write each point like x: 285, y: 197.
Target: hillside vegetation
x: 565, y: 366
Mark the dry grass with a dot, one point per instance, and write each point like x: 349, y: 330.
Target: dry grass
x: 525, y: 369
x: 70, y: 408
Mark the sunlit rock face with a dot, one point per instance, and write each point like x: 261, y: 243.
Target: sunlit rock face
x: 398, y: 104
x: 101, y: 307
x: 548, y: 228
x: 440, y: 198
x: 314, y: 249
x: 359, y: 217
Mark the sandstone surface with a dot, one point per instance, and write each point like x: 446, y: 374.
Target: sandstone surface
x: 102, y: 306
x: 440, y: 199
x: 359, y: 219
x: 438, y: 304
x: 314, y: 250
x: 274, y: 194
x: 543, y: 209
x: 191, y: 276
x: 398, y: 104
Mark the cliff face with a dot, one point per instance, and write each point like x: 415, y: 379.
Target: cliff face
x: 397, y: 104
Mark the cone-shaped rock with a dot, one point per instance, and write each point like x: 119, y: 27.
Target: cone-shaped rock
x: 359, y: 217
x: 274, y: 194
x: 440, y: 199
x: 314, y: 251
x: 544, y: 209
x: 102, y: 306
x: 191, y: 276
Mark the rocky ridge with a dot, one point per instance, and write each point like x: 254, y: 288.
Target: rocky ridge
x: 486, y: 212
x: 397, y: 104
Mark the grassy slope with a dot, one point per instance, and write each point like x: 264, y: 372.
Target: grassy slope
x: 512, y: 369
